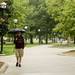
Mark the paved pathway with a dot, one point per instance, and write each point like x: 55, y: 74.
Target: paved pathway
x: 42, y: 60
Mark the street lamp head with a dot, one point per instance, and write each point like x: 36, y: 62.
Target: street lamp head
x: 15, y: 20
x: 25, y: 27
x: 38, y: 30
x: 3, y: 5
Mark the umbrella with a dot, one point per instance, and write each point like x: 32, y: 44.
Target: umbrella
x: 16, y: 30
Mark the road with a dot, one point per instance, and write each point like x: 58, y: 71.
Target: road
x: 41, y: 60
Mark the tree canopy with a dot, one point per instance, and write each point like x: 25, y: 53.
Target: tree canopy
x: 47, y: 15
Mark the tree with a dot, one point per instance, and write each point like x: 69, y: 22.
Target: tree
x: 4, y: 15
x: 40, y: 19
x: 63, y: 11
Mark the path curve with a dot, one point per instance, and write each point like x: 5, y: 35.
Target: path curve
x: 41, y: 60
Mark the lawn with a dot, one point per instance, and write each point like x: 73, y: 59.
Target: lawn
x: 69, y: 53
x: 8, y: 49
x: 62, y: 45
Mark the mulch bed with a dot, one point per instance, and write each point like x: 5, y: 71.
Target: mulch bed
x: 69, y: 53
x: 1, y: 64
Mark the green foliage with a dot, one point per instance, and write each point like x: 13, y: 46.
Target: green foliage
x: 46, y: 15
x: 19, y: 12
x: 4, y: 16
x: 3, y: 29
x: 63, y: 11
x: 39, y: 18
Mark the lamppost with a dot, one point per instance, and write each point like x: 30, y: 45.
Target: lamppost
x: 15, y: 21
x: 3, y: 7
x: 26, y: 27
x: 39, y: 36
x: 54, y: 37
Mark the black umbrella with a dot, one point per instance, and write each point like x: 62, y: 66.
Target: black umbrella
x: 16, y: 30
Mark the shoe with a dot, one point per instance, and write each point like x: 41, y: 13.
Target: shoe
x: 16, y: 64
x: 19, y: 65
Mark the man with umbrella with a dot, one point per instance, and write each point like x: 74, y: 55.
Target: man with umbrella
x: 19, y: 44
x: 19, y: 47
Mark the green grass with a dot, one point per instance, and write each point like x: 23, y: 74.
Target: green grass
x: 63, y: 45
x: 8, y: 49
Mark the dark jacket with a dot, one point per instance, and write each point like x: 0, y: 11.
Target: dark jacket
x: 19, y: 42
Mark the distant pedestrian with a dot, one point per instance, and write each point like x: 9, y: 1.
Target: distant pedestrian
x: 19, y: 48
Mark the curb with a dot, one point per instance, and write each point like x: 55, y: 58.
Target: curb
x: 3, y: 68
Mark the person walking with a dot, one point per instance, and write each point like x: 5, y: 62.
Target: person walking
x: 19, y: 48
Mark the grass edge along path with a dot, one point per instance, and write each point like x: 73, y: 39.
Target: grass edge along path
x: 8, y: 49
x: 63, y: 45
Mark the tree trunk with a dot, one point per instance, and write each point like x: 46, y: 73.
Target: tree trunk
x: 31, y: 39
x: 39, y: 39
x: 46, y: 38
x: 1, y: 45
x: 74, y: 39
x: 68, y: 40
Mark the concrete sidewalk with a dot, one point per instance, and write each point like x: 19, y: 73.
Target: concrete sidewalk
x: 41, y: 60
